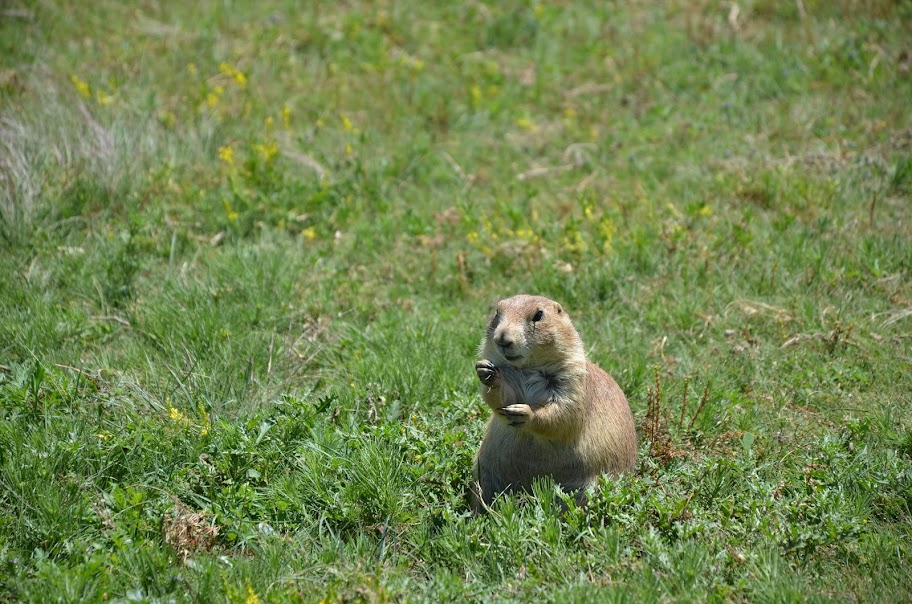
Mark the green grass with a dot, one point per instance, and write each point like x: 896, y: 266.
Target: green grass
x: 247, y: 249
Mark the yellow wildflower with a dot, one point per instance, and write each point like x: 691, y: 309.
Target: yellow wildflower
x: 232, y: 72
x: 309, y: 233
x: 574, y: 242
x: 232, y: 216
x: 103, y: 97
x: 268, y: 123
x: 525, y: 234
x: 475, y: 91
x: 525, y: 123
x: 214, y: 95
x: 252, y: 597
x: 267, y: 152
x: 348, y: 150
x: 175, y: 415
x: 706, y: 211
x: 472, y: 237
x: 226, y: 154
x: 191, y: 68
x: 81, y: 86
x: 286, y: 117
x: 346, y: 123
x: 104, y: 435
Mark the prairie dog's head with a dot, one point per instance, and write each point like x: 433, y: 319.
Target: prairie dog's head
x: 530, y: 331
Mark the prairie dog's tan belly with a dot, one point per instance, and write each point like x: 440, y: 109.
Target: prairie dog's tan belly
x: 516, y: 458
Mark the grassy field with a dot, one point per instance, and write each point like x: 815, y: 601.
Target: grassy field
x: 247, y: 250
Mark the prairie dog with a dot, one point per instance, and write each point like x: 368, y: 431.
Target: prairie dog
x: 555, y: 413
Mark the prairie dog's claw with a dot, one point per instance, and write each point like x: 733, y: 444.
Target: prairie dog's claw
x: 516, y: 415
x: 487, y: 372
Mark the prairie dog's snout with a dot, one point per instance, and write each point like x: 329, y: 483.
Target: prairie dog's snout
x: 510, y: 339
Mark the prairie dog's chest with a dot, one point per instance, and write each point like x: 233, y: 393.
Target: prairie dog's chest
x: 535, y: 387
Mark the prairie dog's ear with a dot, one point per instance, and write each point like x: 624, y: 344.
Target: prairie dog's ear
x: 560, y: 309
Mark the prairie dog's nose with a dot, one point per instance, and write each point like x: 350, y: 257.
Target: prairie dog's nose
x: 503, y: 340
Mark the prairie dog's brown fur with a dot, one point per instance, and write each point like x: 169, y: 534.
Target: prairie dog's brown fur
x: 555, y: 413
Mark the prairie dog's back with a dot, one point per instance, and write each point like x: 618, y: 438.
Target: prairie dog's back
x: 610, y: 433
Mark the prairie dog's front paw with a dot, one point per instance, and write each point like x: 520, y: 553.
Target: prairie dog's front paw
x: 516, y: 415
x: 487, y: 373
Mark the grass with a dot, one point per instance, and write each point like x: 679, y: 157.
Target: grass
x: 247, y: 251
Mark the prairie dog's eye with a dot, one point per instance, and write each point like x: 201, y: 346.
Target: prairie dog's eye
x: 538, y: 316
